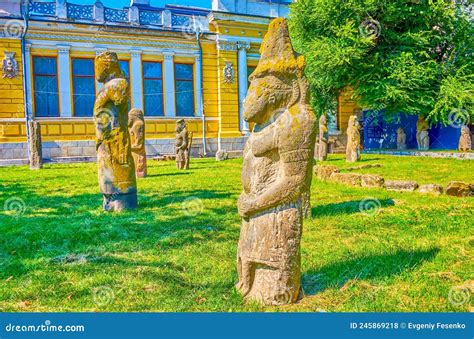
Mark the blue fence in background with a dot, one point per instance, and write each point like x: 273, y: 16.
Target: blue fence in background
x: 381, y: 133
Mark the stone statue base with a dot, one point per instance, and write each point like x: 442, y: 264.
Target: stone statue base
x: 269, y: 255
x: 36, y: 155
x: 120, y: 202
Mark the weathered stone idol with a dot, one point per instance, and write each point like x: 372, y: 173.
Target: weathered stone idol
x: 422, y: 134
x: 465, y: 142
x: 183, y: 141
x: 353, y: 140
x: 277, y: 170
x: 401, y: 139
x: 36, y: 154
x: 136, y: 128
x: 116, y: 169
x: 323, y: 138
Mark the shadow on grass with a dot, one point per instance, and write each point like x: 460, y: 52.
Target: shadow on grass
x: 49, y: 226
x: 346, y: 207
x: 367, y: 267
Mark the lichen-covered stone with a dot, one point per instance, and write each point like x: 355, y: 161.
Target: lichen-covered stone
x: 277, y: 170
x: 323, y: 138
x: 353, y: 179
x: 183, y: 142
x: 116, y: 168
x: 371, y: 180
x: 222, y: 155
x: 36, y: 153
x: 460, y: 189
x: 401, y: 185
x: 401, y: 139
x: 422, y: 134
x: 324, y: 172
x: 431, y: 189
x: 136, y: 128
x: 353, y: 140
x: 465, y: 142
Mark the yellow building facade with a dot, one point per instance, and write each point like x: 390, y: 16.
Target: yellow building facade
x: 181, y: 62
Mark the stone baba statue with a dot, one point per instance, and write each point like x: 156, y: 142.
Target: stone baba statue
x: 277, y: 170
x: 422, y: 134
x: 401, y: 139
x: 465, y: 142
x: 353, y: 140
x: 116, y: 169
x: 36, y: 153
x: 183, y: 144
x: 136, y: 128
x: 323, y: 138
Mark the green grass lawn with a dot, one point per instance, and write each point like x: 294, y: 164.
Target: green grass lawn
x: 177, y: 252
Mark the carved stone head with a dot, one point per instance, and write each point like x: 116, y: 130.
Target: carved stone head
x: 135, y: 115
x: 465, y: 130
x: 277, y: 83
x: 400, y: 131
x: 323, y: 120
x: 107, y: 67
x: 354, y: 122
x: 180, y: 125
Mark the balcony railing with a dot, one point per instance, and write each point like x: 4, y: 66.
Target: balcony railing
x: 43, y: 8
x: 130, y: 16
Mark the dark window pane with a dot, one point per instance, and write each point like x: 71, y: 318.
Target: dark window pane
x: 84, y: 96
x: 152, y: 70
x: 124, y: 66
x: 83, y: 86
x: 44, y: 65
x: 184, y: 98
x: 153, y: 93
x: 45, y: 87
x: 46, y: 96
x: 183, y: 71
x: 83, y: 67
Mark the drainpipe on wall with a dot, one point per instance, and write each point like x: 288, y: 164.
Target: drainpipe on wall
x: 201, y: 108
x: 25, y: 15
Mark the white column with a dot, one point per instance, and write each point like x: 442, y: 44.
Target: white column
x: 29, y: 81
x: 170, y: 109
x: 198, y: 81
x: 136, y: 79
x: 64, y: 75
x: 243, y: 83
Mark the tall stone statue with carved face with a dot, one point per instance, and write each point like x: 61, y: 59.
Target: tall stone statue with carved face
x: 465, y: 142
x: 422, y: 134
x: 183, y: 142
x: 323, y: 138
x: 278, y: 159
x: 136, y: 128
x: 353, y: 140
x: 116, y: 169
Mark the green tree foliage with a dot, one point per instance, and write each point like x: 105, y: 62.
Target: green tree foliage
x: 412, y: 56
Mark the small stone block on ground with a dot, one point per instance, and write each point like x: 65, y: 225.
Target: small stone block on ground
x: 401, y: 185
x: 353, y: 179
x: 460, y: 189
x: 324, y: 172
x: 431, y: 189
x: 370, y: 180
